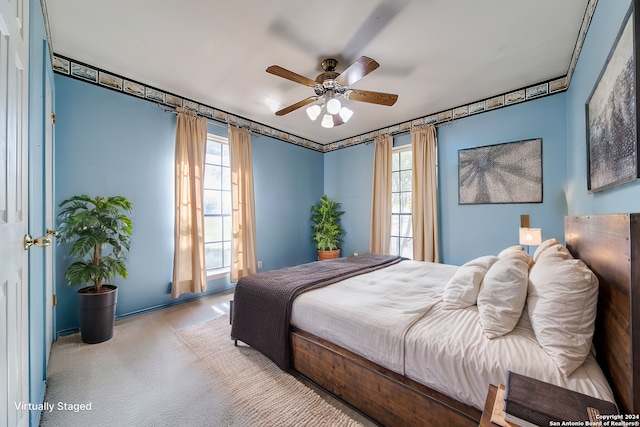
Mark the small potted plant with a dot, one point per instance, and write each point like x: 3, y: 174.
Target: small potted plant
x: 327, y: 231
x: 100, y: 231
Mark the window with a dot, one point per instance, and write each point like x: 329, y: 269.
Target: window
x: 217, y: 205
x: 401, y: 228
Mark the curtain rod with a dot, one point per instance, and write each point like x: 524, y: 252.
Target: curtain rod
x: 209, y: 121
x: 404, y: 132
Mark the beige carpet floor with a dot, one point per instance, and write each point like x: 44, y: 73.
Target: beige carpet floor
x: 192, y: 377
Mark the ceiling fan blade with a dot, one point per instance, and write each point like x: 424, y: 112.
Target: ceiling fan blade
x: 295, y: 106
x: 363, y: 66
x: 387, y: 99
x: 290, y: 75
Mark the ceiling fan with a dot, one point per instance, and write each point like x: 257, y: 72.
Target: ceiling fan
x: 329, y: 85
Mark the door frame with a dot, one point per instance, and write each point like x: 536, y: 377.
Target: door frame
x: 49, y: 209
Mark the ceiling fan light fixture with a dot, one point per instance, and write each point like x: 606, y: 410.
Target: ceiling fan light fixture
x: 313, y: 112
x: 333, y: 106
x: 345, y: 114
x: 329, y: 86
x: 327, y: 121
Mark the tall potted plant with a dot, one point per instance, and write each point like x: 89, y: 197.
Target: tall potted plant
x: 100, y: 231
x: 327, y: 231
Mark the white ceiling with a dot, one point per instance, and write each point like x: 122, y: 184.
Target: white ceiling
x: 435, y: 54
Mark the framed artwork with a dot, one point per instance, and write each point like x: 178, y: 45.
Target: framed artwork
x: 612, y: 117
x: 502, y: 173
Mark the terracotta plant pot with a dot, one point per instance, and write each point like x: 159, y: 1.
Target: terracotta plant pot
x: 323, y: 255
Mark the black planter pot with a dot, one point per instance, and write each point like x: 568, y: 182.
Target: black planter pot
x: 97, y: 313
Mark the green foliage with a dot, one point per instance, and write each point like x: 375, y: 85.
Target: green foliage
x: 325, y: 218
x: 101, y: 234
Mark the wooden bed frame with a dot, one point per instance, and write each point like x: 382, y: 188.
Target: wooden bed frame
x: 608, y: 244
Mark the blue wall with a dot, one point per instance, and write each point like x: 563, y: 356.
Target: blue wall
x: 602, y: 34
x: 347, y: 179
x: 287, y: 180
x: 108, y: 143
x: 468, y: 231
x: 471, y: 230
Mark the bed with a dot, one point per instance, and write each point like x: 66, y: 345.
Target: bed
x: 420, y: 368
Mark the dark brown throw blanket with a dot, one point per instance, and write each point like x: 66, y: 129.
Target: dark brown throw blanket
x: 262, y: 302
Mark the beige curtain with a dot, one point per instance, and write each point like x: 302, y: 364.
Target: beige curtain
x: 424, y: 194
x: 380, y: 236
x: 243, y: 238
x: 189, y: 268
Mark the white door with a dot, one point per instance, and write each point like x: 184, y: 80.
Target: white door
x: 14, y: 356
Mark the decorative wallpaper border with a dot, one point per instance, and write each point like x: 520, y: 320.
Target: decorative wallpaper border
x: 586, y: 21
x: 540, y: 90
x: 97, y: 76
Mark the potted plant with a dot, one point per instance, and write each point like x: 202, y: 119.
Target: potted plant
x: 327, y: 231
x: 100, y: 232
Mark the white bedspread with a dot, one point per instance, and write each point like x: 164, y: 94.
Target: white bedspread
x: 371, y: 313
x: 447, y: 351
x: 394, y: 318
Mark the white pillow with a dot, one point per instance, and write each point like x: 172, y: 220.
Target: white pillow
x: 503, y: 294
x: 557, y: 250
x: 562, y: 304
x: 544, y: 246
x: 462, y: 289
x: 510, y: 250
x: 517, y: 251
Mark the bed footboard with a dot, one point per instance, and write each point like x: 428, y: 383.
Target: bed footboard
x: 383, y: 395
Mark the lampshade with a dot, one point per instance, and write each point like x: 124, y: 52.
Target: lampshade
x: 314, y: 111
x: 327, y: 121
x: 333, y: 106
x: 345, y: 114
x: 530, y: 236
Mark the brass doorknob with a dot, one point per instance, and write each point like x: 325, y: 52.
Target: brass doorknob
x: 42, y: 241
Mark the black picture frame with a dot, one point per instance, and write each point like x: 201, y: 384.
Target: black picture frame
x: 612, y: 114
x: 509, y: 172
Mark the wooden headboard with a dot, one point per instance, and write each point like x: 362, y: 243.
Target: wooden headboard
x: 610, y: 246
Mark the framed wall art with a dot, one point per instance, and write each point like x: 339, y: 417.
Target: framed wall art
x: 502, y: 173
x: 612, y: 117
